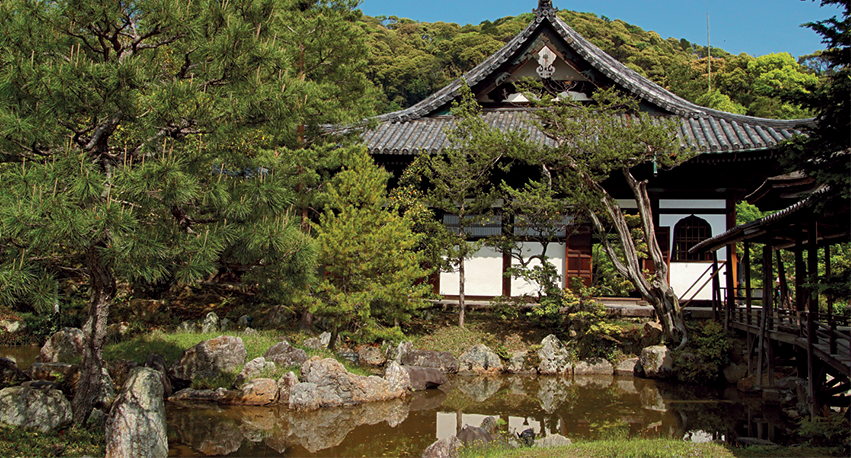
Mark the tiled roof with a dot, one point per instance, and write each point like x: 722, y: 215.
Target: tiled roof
x: 703, y: 129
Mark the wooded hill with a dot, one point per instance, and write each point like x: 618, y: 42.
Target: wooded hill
x: 410, y: 60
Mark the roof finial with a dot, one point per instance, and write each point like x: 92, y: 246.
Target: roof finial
x: 545, y: 8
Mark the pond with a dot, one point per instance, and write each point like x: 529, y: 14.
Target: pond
x: 580, y: 407
x: 23, y: 356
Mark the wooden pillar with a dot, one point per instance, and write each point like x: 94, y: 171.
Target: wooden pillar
x: 715, y: 285
x: 731, y: 284
x: 765, y: 313
x: 748, y: 292
x: 506, y: 278
x: 831, y: 324
x: 812, y: 316
x: 800, y: 279
x: 784, y: 288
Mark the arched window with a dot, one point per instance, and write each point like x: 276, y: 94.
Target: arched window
x: 687, y: 233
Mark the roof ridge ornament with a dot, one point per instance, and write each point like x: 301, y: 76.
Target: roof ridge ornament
x: 545, y: 9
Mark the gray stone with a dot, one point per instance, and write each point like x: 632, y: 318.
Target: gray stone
x: 474, y: 436
x: 210, y: 358
x: 284, y: 355
x: 371, y: 356
x: 479, y: 360
x: 157, y: 362
x: 397, y: 353
x: 423, y: 378
x: 328, y: 384
x: 135, y: 426
x: 443, y: 448
x: 652, y: 334
x: 13, y: 326
x: 518, y: 364
x: 27, y: 406
x: 626, y: 367
x: 244, y: 321
x: 252, y: 370
x: 188, y: 326
x: 65, y: 346
x: 657, y: 361
x: 593, y: 366
x: 225, y: 325
x: 210, y: 323
x: 554, y: 357
x: 553, y: 440
x: 325, y: 339
x: 250, y: 331
x: 442, y: 360
x: 313, y: 343
x: 285, y: 385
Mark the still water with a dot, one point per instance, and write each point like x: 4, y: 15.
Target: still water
x: 581, y: 407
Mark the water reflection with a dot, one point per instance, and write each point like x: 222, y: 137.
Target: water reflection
x: 23, y: 356
x: 582, y: 407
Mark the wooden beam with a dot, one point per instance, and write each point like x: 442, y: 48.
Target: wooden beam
x: 812, y: 383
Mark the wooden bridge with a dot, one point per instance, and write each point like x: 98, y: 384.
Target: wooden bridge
x: 785, y: 329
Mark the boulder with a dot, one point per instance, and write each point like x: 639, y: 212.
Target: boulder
x: 657, y: 361
x: 400, y: 350
x: 252, y: 370
x: 397, y: 377
x: 554, y: 357
x: 313, y: 343
x: 479, y: 360
x: 553, y: 440
x: 593, y: 366
x: 444, y: 448
x: 210, y: 358
x: 371, y: 356
x: 626, y: 367
x: 423, y: 378
x: 135, y: 426
x: 10, y: 374
x: 210, y: 323
x: 474, y: 436
x: 28, y: 406
x: 651, y: 334
x: 325, y: 339
x: 65, y: 346
x: 735, y: 372
x: 13, y: 326
x: 257, y: 392
x: 157, y: 362
x: 442, y: 360
x: 225, y: 325
x: 244, y: 321
x: 188, y: 326
x: 328, y: 384
x: 285, y: 385
x: 520, y: 364
x: 284, y: 355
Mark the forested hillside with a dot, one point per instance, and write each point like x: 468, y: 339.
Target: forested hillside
x: 409, y: 60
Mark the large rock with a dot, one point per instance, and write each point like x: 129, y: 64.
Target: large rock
x: 10, y: 375
x: 444, y: 448
x: 135, y: 426
x: 27, y: 406
x: 210, y: 358
x: 257, y: 392
x: 520, y: 364
x: 157, y: 362
x: 371, y: 356
x: 397, y: 353
x: 328, y: 384
x: 442, y: 360
x: 593, y: 366
x: 285, y: 385
x: 65, y: 346
x: 657, y: 361
x: 553, y: 440
x: 474, y: 436
x: 210, y: 323
x: 651, y: 334
x: 285, y: 355
x: 253, y: 369
x: 479, y: 360
x: 735, y: 372
x: 554, y: 357
x: 626, y: 367
x: 423, y: 378
x: 13, y: 326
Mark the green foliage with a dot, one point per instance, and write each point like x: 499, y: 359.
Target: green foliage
x: 705, y: 356
x: 369, y: 287
x: 829, y: 431
x: 73, y: 442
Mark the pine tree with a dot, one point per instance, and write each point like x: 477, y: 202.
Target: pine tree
x: 373, y: 275
x: 141, y: 141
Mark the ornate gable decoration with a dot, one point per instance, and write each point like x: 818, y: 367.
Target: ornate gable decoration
x: 545, y: 9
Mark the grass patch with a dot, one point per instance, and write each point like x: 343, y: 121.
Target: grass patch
x: 647, y: 448
x: 20, y: 442
x: 171, y: 345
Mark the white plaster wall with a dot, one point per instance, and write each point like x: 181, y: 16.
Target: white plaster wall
x: 718, y: 223
x: 692, y: 203
x: 556, y: 253
x: 483, y: 275
x: 684, y: 274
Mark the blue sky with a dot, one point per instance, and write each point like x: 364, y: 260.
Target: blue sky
x: 756, y: 27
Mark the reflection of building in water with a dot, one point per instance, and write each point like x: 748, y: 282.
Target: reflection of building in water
x: 448, y: 423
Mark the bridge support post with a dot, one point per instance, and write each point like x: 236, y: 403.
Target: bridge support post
x: 812, y: 316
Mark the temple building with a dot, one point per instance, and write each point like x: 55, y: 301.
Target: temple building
x: 691, y: 202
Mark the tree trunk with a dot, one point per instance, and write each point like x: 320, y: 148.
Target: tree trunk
x: 91, y: 382
x: 461, y: 303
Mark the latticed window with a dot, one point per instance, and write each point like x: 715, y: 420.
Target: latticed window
x: 688, y: 233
